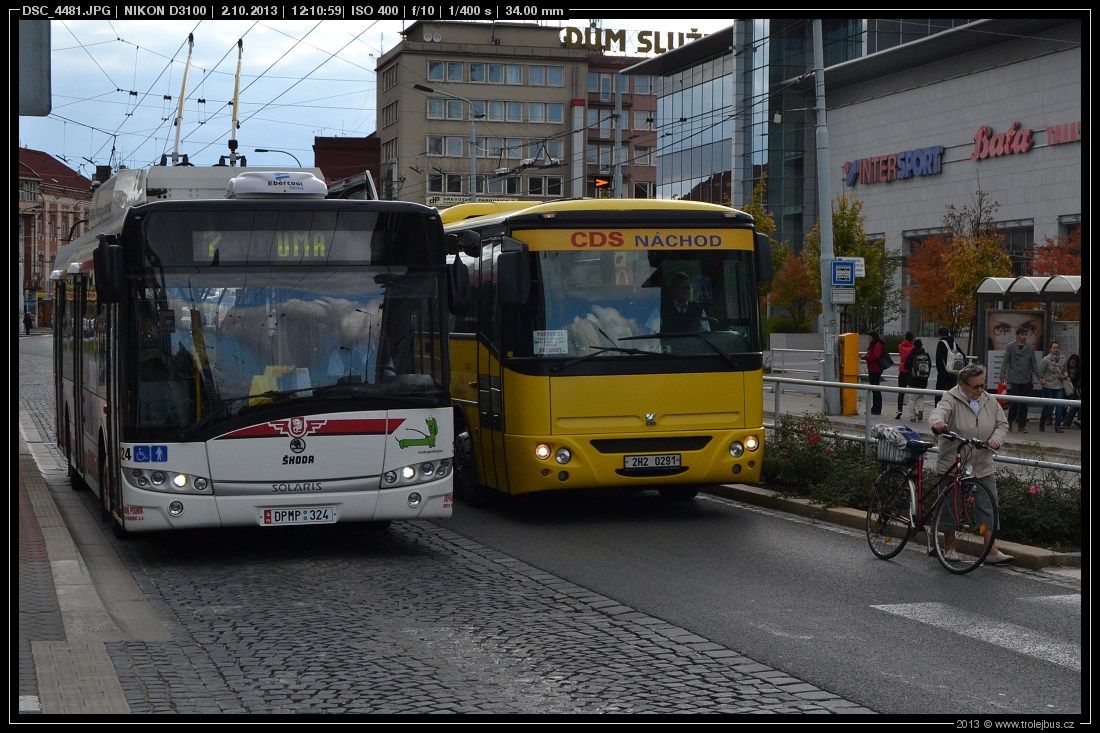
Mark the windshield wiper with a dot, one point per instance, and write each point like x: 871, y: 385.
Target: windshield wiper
x: 566, y: 364
x: 683, y: 334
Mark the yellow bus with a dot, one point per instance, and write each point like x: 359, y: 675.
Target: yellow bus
x: 613, y: 343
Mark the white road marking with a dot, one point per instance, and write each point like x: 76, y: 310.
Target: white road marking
x: 1013, y: 637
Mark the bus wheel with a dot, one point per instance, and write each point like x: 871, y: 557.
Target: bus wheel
x: 75, y: 481
x: 465, y: 476
x: 678, y: 494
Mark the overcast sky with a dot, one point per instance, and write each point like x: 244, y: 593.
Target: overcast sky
x: 299, y: 79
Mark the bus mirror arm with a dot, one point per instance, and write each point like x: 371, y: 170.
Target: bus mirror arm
x: 468, y: 242
x: 458, y: 288
x: 107, y: 261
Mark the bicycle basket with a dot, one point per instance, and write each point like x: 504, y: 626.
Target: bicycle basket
x: 891, y: 452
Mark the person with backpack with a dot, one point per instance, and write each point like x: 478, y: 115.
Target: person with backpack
x: 949, y: 361
x: 1017, y: 368
x: 919, y: 366
x: 904, y: 348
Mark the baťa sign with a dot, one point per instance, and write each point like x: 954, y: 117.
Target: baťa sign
x: 988, y: 144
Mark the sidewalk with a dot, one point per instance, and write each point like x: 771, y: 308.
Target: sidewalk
x: 65, y: 560
x: 1064, y: 447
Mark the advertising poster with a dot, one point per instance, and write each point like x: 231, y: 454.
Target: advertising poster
x: 1001, y: 328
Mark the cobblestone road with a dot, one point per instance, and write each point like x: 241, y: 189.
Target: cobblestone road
x: 416, y: 619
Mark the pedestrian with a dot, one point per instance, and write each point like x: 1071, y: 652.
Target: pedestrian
x: 949, y: 360
x: 28, y: 321
x: 1053, y: 379
x: 904, y: 348
x: 969, y: 410
x: 875, y: 351
x: 1017, y: 367
x: 919, y: 365
x: 1073, y: 371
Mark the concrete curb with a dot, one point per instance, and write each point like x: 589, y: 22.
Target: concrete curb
x: 1026, y: 555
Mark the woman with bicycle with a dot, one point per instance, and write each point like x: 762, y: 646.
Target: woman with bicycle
x: 970, y: 411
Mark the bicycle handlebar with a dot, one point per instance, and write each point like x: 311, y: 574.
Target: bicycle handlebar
x: 952, y: 435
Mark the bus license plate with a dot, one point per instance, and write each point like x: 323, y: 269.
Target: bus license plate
x: 663, y: 460
x: 284, y: 515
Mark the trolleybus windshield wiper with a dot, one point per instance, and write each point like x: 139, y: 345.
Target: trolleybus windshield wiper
x: 680, y: 335
x: 597, y: 352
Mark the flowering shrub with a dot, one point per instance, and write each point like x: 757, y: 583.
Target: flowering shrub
x: 1042, y: 508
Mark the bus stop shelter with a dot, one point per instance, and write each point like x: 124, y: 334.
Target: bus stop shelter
x: 998, y: 313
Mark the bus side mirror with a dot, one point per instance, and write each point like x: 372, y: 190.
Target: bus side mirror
x: 458, y: 288
x: 468, y: 242
x: 513, y: 278
x: 763, y: 258
x: 107, y: 261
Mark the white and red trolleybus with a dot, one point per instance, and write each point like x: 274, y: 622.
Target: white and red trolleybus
x: 232, y: 348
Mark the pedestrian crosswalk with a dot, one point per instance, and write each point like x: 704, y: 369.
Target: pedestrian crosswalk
x: 1006, y: 635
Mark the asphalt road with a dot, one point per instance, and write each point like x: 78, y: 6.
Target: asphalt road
x: 809, y: 599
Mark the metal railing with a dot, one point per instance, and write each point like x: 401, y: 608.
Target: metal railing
x: 867, y: 439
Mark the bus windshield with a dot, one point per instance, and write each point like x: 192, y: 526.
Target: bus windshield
x: 657, y: 302
x: 213, y: 342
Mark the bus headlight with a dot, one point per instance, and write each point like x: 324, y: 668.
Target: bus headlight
x: 159, y: 480
x: 390, y: 476
x: 736, y: 449
x: 542, y: 451
x: 157, y: 477
x: 408, y: 472
x: 563, y: 455
x: 179, y: 480
x: 752, y: 442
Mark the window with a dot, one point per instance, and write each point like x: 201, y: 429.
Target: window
x: 536, y: 76
x: 605, y: 87
x: 1019, y: 239
x: 477, y: 108
x: 477, y: 73
x: 454, y: 183
x: 553, y: 185
x: 435, y: 183
x: 389, y: 114
x: 454, y: 71
x: 593, y: 82
x: 435, y: 109
x: 514, y: 111
x: 389, y: 151
x: 555, y: 112
x: 643, y: 156
x: 513, y: 148
x: 544, y: 186
x: 622, y: 82
x: 496, y: 73
x: 389, y: 77
x: 536, y: 111
x: 436, y: 70
x: 643, y: 189
x: 445, y: 145
x: 515, y: 74
x: 555, y: 148
x: 496, y: 111
x: 600, y: 120
x: 643, y: 120
x: 555, y: 76
x: 454, y: 109
x: 643, y: 85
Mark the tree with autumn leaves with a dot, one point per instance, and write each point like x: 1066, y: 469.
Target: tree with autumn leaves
x: 946, y: 270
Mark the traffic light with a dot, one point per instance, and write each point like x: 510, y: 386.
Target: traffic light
x: 599, y: 182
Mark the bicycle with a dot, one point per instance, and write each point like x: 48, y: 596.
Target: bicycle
x: 963, y: 512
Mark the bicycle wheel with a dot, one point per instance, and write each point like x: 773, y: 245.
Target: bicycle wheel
x: 887, y: 524
x: 964, y: 527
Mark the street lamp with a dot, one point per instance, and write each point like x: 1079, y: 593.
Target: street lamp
x: 473, y: 134
x: 269, y: 150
